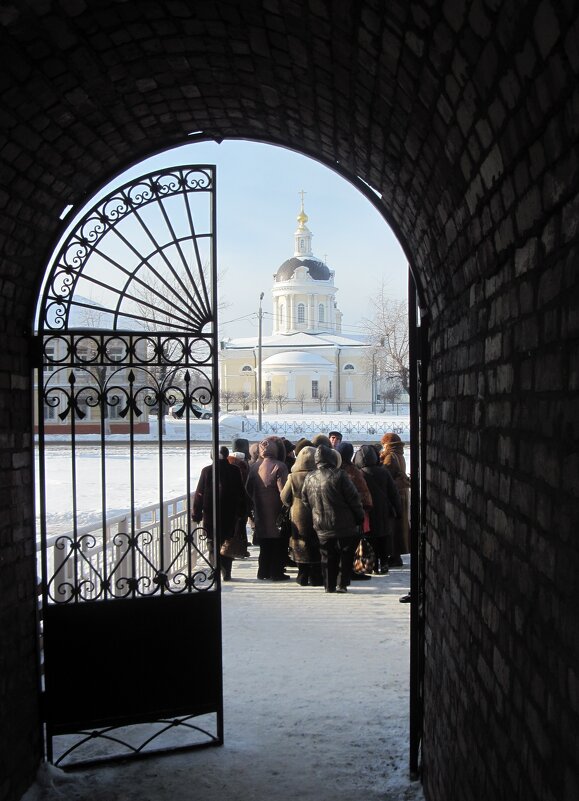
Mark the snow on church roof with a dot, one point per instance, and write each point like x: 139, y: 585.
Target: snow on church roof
x: 296, y: 358
x: 298, y: 340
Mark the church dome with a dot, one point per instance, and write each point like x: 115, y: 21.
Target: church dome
x: 317, y: 269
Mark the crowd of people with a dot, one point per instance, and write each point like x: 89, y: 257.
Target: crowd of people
x: 337, y: 513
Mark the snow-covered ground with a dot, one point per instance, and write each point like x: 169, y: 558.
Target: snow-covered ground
x: 315, y: 704
x: 117, y: 488
x: 88, y: 475
x: 315, y: 685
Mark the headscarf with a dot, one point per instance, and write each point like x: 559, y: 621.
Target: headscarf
x: 346, y: 451
x: 366, y: 456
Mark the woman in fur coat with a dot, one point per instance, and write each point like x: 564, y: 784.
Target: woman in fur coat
x: 385, y: 504
x: 303, y: 543
x: 392, y: 457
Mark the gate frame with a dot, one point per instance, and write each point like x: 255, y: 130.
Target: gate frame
x: 418, y: 363
x: 66, y: 707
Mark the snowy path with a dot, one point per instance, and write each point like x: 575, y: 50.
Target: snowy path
x: 316, y: 704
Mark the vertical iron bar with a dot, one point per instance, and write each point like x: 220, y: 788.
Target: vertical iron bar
x: 189, y: 525
x: 106, y: 588
x: 38, y: 371
x: 42, y: 474
x: 415, y: 526
x: 160, y: 418
x: 72, y: 382
x: 132, y: 542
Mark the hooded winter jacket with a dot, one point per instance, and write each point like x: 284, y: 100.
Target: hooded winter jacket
x: 335, y: 502
x: 303, y: 540
x: 385, y: 496
x: 266, y: 480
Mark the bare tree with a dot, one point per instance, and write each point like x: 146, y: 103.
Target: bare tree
x: 227, y: 397
x: 390, y: 390
x: 301, y: 398
x: 387, y: 333
x: 280, y: 398
x: 322, y: 399
x: 244, y: 398
x: 255, y: 399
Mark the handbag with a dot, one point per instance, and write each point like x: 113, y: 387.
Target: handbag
x: 364, y: 558
x: 234, y: 548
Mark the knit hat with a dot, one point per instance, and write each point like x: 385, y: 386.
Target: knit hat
x: 346, y: 451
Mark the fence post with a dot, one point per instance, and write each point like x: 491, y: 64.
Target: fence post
x: 164, y: 534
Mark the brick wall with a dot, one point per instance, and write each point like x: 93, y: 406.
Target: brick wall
x: 501, y: 592
x: 464, y: 116
x: 20, y: 733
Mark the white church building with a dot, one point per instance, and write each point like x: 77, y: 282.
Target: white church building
x: 307, y: 363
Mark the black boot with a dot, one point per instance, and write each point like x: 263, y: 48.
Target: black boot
x: 226, y: 564
x: 303, y: 575
x: 316, y: 578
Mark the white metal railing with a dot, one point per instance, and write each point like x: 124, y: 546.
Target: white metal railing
x: 103, y: 551
x: 354, y: 430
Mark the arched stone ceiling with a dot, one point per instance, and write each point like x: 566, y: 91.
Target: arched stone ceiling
x: 418, y: 99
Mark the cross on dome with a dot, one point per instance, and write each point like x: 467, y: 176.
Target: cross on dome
x: 302, y: 216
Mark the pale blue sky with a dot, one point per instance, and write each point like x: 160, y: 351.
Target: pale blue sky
x: 257, y: 206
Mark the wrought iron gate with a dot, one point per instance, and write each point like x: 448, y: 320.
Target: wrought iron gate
x: 127, y: 341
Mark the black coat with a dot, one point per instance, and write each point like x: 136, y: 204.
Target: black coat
x: 337, y: 510
x: 232, y: 498
x: 385, y: 496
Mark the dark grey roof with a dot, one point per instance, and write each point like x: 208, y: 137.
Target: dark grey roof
x: 318, y: 270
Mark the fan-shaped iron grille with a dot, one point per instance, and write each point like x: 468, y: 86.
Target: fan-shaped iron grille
x: 139, y: 259
x: 126, y: 370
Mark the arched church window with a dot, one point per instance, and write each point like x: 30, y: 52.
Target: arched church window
x: 349, y: 367
x: 321, y: 312
x: 301, y: 313
x: 246, y: 368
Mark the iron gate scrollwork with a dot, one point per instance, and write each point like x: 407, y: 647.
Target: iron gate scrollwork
x: 126, y: 341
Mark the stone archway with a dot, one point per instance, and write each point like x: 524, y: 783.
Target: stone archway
x: 462, y: 118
